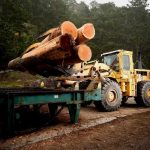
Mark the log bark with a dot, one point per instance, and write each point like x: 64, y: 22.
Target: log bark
x: 54, y: 49
x: 16, y: 64
x: 58, y: 48
x: 79, y: 54
x: 27, y: 64
x: 45, y: 40
x: 85, y: 33
x: 35, y: 45
x: 31, y: 47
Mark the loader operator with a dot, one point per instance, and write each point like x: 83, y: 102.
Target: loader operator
x: 112, y: 61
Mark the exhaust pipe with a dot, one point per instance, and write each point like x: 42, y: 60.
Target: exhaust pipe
x: 139, y: 63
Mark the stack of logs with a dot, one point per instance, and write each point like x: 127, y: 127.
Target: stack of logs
x: 64, y: 45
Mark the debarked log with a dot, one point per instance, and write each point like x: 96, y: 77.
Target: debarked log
x: 85, y: 33
x: 80, y: 53
x: 66, y: 27
x: 54, y: 49
x: 59, y: 51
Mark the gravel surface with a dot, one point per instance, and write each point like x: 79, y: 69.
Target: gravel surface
x: 89, y: 118
x: 132, y: 132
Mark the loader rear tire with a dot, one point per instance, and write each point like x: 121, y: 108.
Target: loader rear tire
x: 143, y: 94
x: 111, y: 97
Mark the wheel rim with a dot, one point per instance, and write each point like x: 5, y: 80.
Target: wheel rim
x: 148, y: 93
x: 112, y: 95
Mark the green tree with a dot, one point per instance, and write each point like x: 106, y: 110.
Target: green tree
x: 21, y: 21
x: 138, y: 26
x: 13, y: 32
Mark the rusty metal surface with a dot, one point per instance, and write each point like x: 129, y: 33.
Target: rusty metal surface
x: 29, y: 90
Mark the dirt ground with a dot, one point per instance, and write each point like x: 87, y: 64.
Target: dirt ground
x: 132, y: 132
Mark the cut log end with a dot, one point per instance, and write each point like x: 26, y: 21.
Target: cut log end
x: 84, y: 52
x: 70, y: 28
x: 88, y: 31
x: 85, y: 33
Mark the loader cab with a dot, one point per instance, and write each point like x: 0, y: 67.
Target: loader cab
x: 112, y: 60
x: 119, y: 60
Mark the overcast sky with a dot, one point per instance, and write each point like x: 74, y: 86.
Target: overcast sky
x: 117, y: 2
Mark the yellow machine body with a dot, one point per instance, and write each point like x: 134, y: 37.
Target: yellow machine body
x: 118, y: 66
x: 124, y: 73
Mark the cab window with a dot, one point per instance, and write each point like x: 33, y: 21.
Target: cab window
x: 112, y: 61
x: 126, y: 62
x: 109, y: 59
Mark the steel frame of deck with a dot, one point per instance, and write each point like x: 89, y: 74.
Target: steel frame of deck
x: 20, y: 97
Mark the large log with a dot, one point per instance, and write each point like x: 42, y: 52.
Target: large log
x: 66, y: 27
x: 27, y: 64
x: 57, y: 48
x: 39, y: 64
x: 60, y: 47
x: 56, y: 51
x: 85, y: 33
x: 35, y: 45
x: 76, y: 54
x: 31, y: 47
x: 80, y: 53
x: 83, y: 52
x: 16, y: 64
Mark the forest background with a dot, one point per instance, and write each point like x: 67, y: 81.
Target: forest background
x: 127, y: 27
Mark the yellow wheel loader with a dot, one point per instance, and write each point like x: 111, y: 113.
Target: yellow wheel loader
x: 122, y: 80
x: 133, y: 82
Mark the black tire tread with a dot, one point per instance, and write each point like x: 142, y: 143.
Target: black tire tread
x: 102, y: 104
x: 141, y: 88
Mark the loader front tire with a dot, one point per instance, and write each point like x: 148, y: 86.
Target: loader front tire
x: 111, y: 96
x: 143, y: 94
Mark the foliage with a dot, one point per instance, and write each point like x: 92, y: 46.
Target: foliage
x: 21, y: 21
